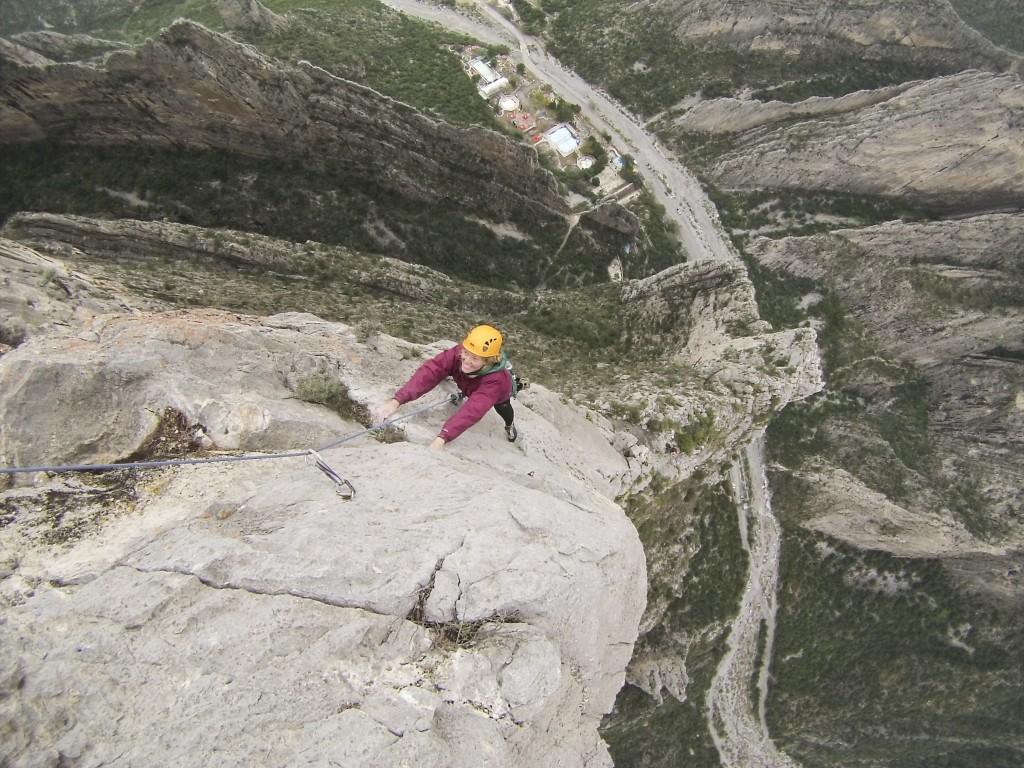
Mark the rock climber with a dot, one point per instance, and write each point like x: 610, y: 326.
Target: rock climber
x: 478, y: 366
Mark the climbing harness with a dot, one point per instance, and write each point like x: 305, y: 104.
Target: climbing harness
x: 344, y: 488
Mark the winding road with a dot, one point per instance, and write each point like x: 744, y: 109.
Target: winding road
x: 735, y: 718
x: 671, y: 184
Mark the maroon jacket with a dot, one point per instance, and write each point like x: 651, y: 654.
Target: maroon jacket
x: 483, y: 390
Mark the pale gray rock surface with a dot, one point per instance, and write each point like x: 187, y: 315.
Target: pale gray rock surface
x: 704, y: 314
x: 923, y: 29
x: 944, y: 296
x: 952, y: 143
x: 476, y: 607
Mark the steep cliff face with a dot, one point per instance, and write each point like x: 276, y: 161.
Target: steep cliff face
x: 698, y: 318
x: 161, y: 243
x: 944, y: 296
x: 920, y: 27
x: 661, y: 58
x: 422, y: 617
x: 195, y: 88
x: 705, y: 315
x: 455, y: 611
x: 952, y: 144
x: 193, y: 126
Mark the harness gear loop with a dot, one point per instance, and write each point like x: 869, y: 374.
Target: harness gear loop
x: 345, y: 489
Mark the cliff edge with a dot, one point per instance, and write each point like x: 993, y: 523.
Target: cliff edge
x: 476, y: 607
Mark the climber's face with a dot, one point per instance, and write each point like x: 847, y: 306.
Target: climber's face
x: 471, y: 363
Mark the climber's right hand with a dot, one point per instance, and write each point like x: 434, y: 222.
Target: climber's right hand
x: 385, y: 411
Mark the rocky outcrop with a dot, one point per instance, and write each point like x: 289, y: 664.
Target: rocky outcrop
x: 195, y: 88
x: 704, y: 315
x: 251, y: 16
x: 454, y: 612
x: 950, y: 144
x: 716, y: 294
x: 163, y: 242
x: 919, y: 29
x: 944, y: 296
x: 45, y: 47
x: 728, y: 116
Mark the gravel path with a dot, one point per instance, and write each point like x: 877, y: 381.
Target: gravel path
x: 735, y: 708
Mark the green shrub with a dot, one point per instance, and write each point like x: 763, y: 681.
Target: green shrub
x: 325, y: 390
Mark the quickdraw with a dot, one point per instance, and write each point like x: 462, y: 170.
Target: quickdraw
x: 345, y: 489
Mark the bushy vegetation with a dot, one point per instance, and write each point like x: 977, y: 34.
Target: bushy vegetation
x: 797, y: 212
x: 532, y: 18
x: 700, y: 593
x: 331, y: 392
x: 128, y: 20
x: 697, y: 433
x: 1001, y: 21
x: 870, y: 643
x: 367, y: 42
x: 588, y: 320
x: 881, y: 408
x: 281, y: 197
x: 640, y: 59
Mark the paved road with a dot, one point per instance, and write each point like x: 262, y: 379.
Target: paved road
x: 674, y: 187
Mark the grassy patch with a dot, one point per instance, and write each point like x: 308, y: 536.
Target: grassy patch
x: 326, y: 390
x: 330, y: 392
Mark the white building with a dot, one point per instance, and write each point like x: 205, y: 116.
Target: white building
x: 491, y: 82
x: 482, y: 68
x: 492, y: 88
x: 562, y: 139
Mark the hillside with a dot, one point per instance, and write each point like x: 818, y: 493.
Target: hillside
x: 235, y: 606
x: 866, y: 160
x: 277, y: 163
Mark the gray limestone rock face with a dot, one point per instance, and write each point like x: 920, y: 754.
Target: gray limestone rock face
x: 225, y: 95
x: 949, y: 144
x: 476, y: 607
x: 944, y: 297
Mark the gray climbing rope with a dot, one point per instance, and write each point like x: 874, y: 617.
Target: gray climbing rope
x: 345, y: 488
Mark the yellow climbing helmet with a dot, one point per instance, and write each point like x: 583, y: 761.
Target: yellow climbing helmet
x: 483, y: 341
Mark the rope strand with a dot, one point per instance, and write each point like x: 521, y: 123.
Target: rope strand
x: 453, y: 398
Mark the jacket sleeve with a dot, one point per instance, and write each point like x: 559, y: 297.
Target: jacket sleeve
x: 493, y: 389
x: 429, y: 375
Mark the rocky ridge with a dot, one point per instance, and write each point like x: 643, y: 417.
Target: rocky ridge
x: 701, y: 317
x: 242, y: 609
x: 945, y: 296
x: 919, y: 28
x: 420, y: 618
x: 191, y: 87
x: 951, y: 144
